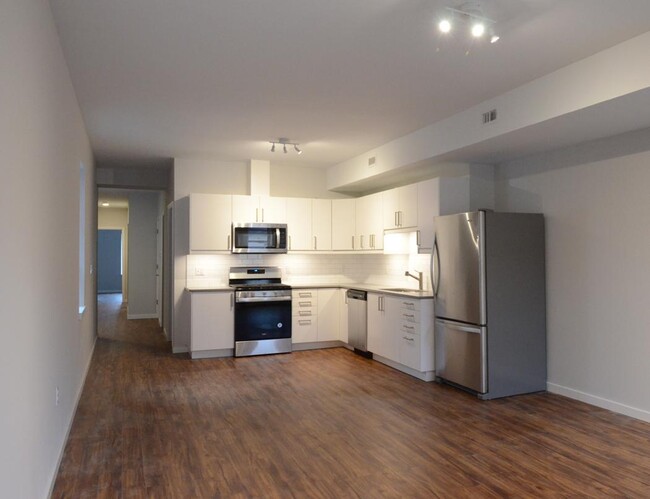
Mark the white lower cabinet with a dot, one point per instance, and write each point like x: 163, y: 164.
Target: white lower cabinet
x: 212, y: 323
x: 303, y: 311
x: 343, y: 315
x: 400, y: 333
x: 315, y: 315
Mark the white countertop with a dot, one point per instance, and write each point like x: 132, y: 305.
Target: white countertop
x: 381, y: 288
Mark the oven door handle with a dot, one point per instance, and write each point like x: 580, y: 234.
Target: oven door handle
x: 261, y: 299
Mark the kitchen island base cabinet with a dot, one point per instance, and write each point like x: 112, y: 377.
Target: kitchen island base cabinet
x: 212, y: 330
x: 400, y: 334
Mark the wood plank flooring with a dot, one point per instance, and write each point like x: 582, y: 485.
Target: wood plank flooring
x: 328, y: 424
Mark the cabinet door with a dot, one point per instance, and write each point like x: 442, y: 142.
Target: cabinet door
x: 343, y: 315
x: 321, y: 218
x: 328, y: 314
x: 375, y: 227
x: 343, y: 224
x: 272, y: 210
x: 299, y: 223
x: 392, y: 314
x: 362, y: 223
x: 390, y: 208
x: 408, y: 206
x: 212, y: 321
x: 376, y: 324
x: 245, y: 209
x: 210, y: 219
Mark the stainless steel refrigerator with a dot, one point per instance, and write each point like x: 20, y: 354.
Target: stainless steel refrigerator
x: 488, y: 278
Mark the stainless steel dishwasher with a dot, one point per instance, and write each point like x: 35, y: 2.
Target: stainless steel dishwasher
x: 358, y: 321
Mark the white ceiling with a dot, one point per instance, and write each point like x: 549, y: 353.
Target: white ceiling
x: 220, y: 78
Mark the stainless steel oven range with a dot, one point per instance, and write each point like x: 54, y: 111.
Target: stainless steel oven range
x: 262, y: 311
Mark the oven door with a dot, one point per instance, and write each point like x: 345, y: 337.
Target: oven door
x: 262, y: 320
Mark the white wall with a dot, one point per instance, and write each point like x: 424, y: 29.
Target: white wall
x: 45, y: 343
x: 595, y: 198
x: 143, y: 216
x: 118, y: 218
x: 233, y: 177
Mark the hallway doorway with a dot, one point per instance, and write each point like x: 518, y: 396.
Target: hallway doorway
x: 110, y: 261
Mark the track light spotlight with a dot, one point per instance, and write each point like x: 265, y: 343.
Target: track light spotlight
x: 444, y: 26
x: 478, y: 29
x: 284, y: 143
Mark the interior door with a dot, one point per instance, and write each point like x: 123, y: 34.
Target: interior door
x: 109, y: 261
x: 458, y: 267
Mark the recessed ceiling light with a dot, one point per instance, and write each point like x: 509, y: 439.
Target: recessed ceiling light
x: 105, y: 204
x: 494, y: 39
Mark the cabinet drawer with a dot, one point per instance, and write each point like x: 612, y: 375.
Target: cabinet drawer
x: 406, y: 304
x: 409, y: 328
x: 409, y: 350
x: 303, y: 330
x: 303, y: 294
x: 409, y: 316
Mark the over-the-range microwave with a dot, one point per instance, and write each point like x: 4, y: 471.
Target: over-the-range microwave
x: 259, y: 238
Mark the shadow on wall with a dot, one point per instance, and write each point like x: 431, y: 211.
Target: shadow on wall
x: 589, y: 152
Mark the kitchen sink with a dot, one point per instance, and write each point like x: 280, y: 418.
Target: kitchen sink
x: 401, y: 290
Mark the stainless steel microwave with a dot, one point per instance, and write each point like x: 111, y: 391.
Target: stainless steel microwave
x: 259, y: 238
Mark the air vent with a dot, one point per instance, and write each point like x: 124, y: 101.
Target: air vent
x: 490, y: 116
x: 371, y: 161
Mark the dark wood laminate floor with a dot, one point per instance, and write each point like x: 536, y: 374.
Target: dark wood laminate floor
x: 327, y: 423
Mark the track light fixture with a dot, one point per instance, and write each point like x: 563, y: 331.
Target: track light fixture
x: 470, y: 14
x: 284, y: 142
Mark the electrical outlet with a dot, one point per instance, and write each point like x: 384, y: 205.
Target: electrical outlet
x: 57, y: 395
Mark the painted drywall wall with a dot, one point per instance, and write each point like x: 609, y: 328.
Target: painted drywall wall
x: 143, y: 217
x: 210, y: 177
x: 118, y: 218
x: 233, y: 177
x: 574, y: 91
x: 289, y: 180
x: 46, y: 342
x: 594, y: 198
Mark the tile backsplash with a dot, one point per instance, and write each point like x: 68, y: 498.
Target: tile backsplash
x: 386, y: 270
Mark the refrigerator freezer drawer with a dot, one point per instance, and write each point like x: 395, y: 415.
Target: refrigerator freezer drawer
x: 461, y: 356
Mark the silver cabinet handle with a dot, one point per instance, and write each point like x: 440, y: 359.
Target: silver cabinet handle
x: 315, y: 243
x: 262, y: 215
x: 352, y: 242
x: 304, y: 323
x: 409, y: 327
x: 289, y: 242
x: 232, y: 301
x: 304, y: 294
x: 229, y: 247
x: 304, y: 303
x: 417, y: 238
x: 408, y: 339
x: 361, y: 241
x: 257, y: 214
x: 304, y: 313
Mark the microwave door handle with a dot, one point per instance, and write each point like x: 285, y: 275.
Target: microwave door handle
x: 277, y: 238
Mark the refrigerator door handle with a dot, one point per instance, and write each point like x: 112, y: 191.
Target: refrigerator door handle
x: 459, y: 327
x: 434, y: 253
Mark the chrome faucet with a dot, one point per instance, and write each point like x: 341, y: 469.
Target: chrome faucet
x: 418, y: 278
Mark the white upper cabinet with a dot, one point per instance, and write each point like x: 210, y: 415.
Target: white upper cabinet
x: 248, y: 209
x: 369, y: 223
x: 343, y: 224
x: 299, y: 224
x: 400, y: 207
x: 321, y: 224
x: 210, y: 222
